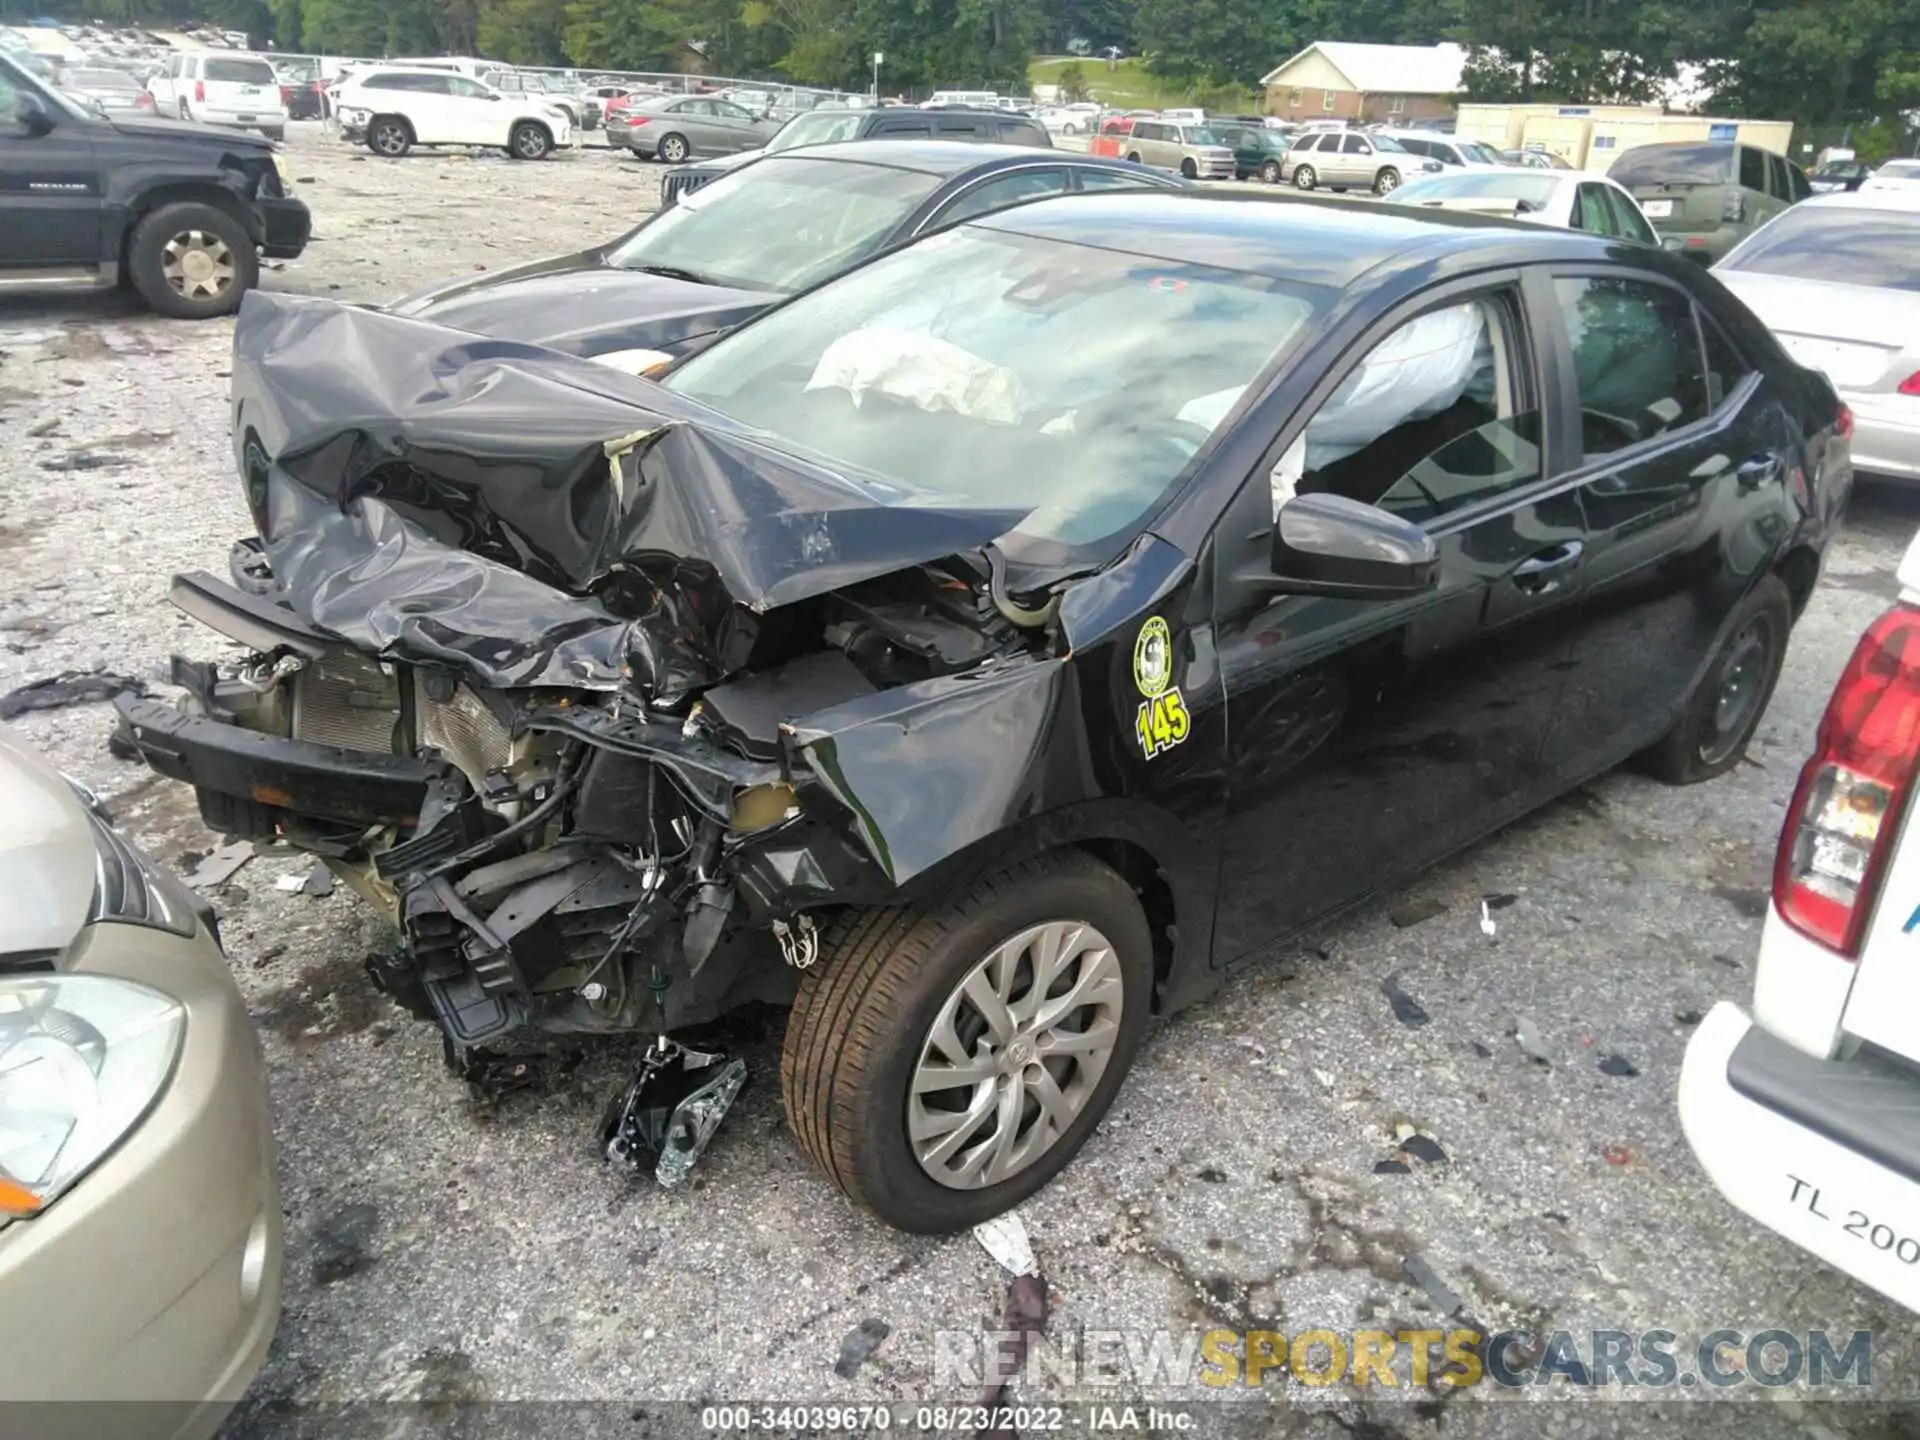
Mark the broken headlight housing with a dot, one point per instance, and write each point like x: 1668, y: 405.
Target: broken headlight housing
x: 128, y: 887
x: 352, y: 116
x: 82, y: 1060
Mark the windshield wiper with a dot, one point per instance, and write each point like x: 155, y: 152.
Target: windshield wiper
x: 670, y: 272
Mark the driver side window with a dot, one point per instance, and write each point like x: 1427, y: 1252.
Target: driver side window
x: 1636, y: 357
x: 1438, y: 416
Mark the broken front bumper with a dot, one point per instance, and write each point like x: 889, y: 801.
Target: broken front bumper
x: 293, y: 775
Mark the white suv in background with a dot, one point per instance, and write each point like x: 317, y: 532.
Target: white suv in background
x: 394, y: 109
x: 235, y: 90
x: 1807, y: 1115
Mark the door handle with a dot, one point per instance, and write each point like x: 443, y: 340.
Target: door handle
x: 1542, y: 572
x: 1756, y: 472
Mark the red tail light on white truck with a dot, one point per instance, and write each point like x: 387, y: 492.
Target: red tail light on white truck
x: 1806, y: 1115
x: 1847, y: 808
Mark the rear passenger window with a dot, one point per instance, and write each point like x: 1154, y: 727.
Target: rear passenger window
x: 1777, y: 173
x: 1591, y: 211
x: 1004, y: 190
x: 965, y: 126
x: 1797, y: 178
x: 1636, y: 359
x: 903, y: 127
x: 1725, y: 368
x: 1753, y: 169
x: 1110, y: 180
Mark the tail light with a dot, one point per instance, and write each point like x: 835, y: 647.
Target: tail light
x: 1843, y: 421
x: 200, y: 91
x: 1852, y: 795
x: 634, y: 122
x: 1734, y: 207
x: 143, y: 101
x: 1911, y: 385
x: 286, y: 94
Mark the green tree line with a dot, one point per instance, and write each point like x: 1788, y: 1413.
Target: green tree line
x: 1820, y: 63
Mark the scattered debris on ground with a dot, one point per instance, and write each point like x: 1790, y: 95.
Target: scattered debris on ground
x: 71, y: 687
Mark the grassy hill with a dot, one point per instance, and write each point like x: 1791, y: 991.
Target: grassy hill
x: 1129, y: 86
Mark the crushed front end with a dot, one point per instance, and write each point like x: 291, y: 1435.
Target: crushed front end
x: 592, y: 701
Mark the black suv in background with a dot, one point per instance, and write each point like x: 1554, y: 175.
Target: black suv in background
x: 891, y: 122
x: 179, y: 211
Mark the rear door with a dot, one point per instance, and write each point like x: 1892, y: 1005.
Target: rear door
x: 1684, y: 466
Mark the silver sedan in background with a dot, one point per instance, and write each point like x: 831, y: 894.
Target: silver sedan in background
x: 1837, y: 280
x: 677, y: 127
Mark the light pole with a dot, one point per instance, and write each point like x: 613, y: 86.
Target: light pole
x: 877, y: 58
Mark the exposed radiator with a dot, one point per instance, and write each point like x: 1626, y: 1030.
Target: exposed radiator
x: 463, y: 729
x: 345, y: 699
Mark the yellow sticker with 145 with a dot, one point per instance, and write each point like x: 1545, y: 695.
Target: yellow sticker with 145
x: 1161, y: 723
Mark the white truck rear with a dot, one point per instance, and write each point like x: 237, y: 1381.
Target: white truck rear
x: 1807, y: 1115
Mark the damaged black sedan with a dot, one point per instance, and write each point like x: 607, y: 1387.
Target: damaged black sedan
x: 986, y: 650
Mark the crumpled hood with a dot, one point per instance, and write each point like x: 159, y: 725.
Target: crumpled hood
x: 581, y: 306
x: 47, y: 855
x: 533, y: 518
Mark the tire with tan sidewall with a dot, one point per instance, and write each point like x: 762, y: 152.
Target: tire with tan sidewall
x: 864, y: 1010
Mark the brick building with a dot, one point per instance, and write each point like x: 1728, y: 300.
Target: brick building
x: 1392, y: 84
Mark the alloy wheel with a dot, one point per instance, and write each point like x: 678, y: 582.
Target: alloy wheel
x: 389, y: 139
x: 1015, y: 1054
x: 198, y: 264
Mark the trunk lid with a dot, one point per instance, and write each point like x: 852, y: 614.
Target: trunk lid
x: 1860, y: 337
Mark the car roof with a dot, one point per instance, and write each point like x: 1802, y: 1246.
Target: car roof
x: 942, y: 157
x: 1310, y: 239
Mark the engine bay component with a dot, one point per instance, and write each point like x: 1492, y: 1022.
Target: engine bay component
x: 671, y: 1109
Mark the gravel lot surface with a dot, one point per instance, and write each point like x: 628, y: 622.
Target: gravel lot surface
x: 442, y: 1252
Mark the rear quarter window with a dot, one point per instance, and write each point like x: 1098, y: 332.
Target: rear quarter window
x: 1024, y: 132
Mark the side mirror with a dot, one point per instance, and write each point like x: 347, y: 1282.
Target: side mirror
x: 1332, y: 546
x: 32, y: 114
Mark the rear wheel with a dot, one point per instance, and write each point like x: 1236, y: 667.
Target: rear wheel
x: 529, y: 141
x: 1303, y: 178
x: 1712, y: 732
x: 944, y: 1062
x: 184, y: 114
x: 192, y: 261
x: 1270, y: 172
x: 674, y: 148
x: 389, y: 135
x: 1134, y: 156
x: 277, y: 134
x: 1387, y: 181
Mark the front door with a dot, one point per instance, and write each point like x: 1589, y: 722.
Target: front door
x: 469, y: 111
x: 1369, y: 738
x: 49, y: 188
x: 1686, y: 454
